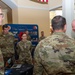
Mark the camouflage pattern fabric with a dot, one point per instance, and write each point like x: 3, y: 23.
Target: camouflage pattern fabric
x: 41, y: 38
x: 55, y: 55
x: 24, y: 52
x: 1, y: 64
x: 7, y: 45
x: 28, y: 37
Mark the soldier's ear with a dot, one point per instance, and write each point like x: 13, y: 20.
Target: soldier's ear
x: 65, y: 27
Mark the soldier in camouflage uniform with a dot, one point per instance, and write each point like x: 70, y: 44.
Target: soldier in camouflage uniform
x: 55, y: 55
x: 28, y: 36
x: 1, y: 63
x: 1, y: 56
x: 42, y: 36
x: 7, y: 45
x: 24, y: 50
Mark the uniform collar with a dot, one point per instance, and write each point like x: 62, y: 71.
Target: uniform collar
x: 59, y: 33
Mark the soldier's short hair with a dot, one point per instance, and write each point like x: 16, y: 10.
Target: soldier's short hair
x: 42, y: 31
x: 4, y: 26
x: 58, y: 22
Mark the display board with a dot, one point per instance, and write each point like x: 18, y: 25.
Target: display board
x: 32, y: 28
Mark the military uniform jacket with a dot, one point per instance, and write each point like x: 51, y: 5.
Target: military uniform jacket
x: 1, y: 63
x: 41, y: 38
x: 7, y: 44
x: 24, y: 51
x: 28, y: 37
x: 6, y: 49
x: 55, y: 54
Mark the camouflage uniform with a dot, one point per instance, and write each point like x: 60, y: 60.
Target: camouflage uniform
x: 7, y: 46
x: 28, y: 37
x: 24, y: 52
x: 55, y: 55
x: 41, y: 38
x: 1, y: 64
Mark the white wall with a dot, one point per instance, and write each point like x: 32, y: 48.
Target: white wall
x: 53, y: 4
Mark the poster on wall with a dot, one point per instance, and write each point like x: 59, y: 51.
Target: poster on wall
x: 32, y: 28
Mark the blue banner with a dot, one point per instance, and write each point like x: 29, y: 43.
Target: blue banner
x: 32, y: 28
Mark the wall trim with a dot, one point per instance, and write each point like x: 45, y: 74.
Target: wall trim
x: 53, y: 8
x: 12, y: 4
x: 32, y: 7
